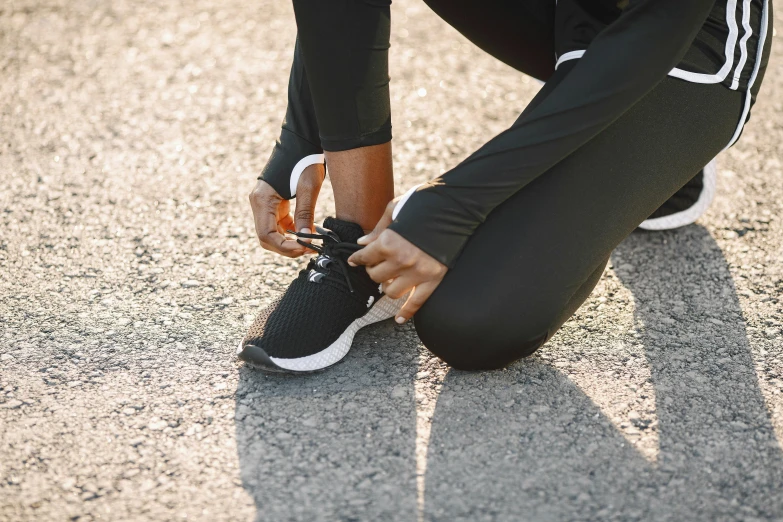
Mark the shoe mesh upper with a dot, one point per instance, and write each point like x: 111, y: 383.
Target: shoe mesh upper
x: 305, y: 320
x: 310, y: 316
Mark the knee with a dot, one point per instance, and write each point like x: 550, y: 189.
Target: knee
x: 479, y: 342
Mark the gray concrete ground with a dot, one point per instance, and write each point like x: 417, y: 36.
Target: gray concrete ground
x: 130, y: 134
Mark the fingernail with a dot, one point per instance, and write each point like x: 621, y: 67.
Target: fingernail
x: 305, y: 231
x: 400, y: 319
x: 363, y: 238
x: 352, y: 264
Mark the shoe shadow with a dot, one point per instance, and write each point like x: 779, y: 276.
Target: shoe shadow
x: 335, y: 445
x: 528, y: 443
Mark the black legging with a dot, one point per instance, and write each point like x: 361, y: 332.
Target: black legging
x: 537, y: 255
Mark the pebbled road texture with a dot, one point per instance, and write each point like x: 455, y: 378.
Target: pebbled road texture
x: 130, y: 135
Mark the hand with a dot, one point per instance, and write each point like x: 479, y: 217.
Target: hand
x: 272, y: 213
x: 399, y: 265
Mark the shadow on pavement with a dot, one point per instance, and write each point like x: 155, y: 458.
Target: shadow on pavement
x: 528, y: 444
x: 336, y: 445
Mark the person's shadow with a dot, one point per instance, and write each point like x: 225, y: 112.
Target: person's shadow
x: 334, y: 445
x: 528, y: 442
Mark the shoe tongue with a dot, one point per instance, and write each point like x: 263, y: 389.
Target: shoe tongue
x: 348, y: 232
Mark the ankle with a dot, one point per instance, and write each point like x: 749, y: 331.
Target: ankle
x: 365, y: 220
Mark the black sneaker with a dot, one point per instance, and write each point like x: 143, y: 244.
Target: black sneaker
x: 312, y: 325
x: 687, y: 204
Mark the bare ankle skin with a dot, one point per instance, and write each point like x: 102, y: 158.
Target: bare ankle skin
x: 363, y: 183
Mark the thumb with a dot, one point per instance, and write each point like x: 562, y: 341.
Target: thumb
x: 385, y: 221
x: 307, y: 190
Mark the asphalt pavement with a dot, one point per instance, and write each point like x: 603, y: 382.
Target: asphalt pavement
x: 131, y: 133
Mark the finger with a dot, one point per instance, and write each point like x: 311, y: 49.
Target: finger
x: 285, y: 223
x: 415, y: 301
x: 307, y: 189
x: 272, y: 238
x: 368, y: 256
x: 384, y: 271
x: 282, y: 244
x: 399, y: 287
x: 267, y: 205
x: 386, y: 284
x: 382, y: 225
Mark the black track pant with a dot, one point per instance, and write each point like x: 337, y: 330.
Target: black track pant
x: 342, y: 50
x: 538, y: 255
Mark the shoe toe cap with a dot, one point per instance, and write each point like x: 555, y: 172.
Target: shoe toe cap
x: 257, y: 357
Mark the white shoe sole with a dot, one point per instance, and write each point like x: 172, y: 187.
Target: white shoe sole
x: 385, y: 308
x: 690, y: 215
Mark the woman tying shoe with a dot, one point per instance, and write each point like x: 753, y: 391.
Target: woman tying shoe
x: 497, y: 253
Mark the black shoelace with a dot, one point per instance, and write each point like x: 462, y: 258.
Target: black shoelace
x: 332, y: 253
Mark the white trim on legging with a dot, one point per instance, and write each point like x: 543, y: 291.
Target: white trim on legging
x: 754, y: 76
x: 731, y: 44
x: 743, y: 45
x: 710, y: 172
x: 722, y: 74
x: 300, y: 166
x: 571, y: 55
